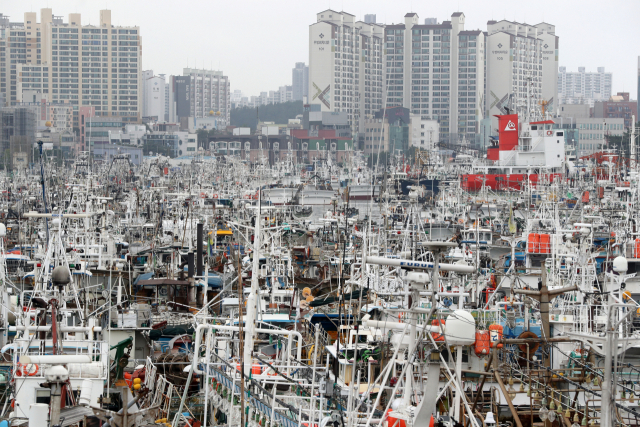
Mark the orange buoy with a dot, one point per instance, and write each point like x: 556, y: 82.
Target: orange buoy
x: 483, y: 343
x: 437, y: 336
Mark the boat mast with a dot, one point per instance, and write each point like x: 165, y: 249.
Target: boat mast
x: 253, y: 295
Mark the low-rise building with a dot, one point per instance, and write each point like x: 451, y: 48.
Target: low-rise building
x: 424, y: 133
x: 389, y: 130
x: 107, y: 152
x: 592, y: 133
x: 618, y: 106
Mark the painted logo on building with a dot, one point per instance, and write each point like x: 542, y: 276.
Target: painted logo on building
x: 510, y: 126
x: 322, y: 95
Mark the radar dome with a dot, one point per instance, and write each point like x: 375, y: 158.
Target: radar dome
x: 620, y: 265
x: 460, y: 328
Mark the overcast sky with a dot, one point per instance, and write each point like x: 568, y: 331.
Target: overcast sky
x: 256, y: 43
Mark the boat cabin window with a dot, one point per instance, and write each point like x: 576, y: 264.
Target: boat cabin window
x: 485, y: 236
x: 560, y: 133
x: 43, y: 395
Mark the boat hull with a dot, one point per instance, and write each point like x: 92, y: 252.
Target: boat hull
x: 503, y: 182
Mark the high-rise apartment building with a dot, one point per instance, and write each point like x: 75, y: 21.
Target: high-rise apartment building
x: 638, y: 98
x: 153, y: 96
x: 583, y: 87
x: 200, y: 93
x: 345, y: 66
x: 370, y: 18
x: 300, y: 81
x: 437, y: 71
x: 167, y: 88
x: 210, y: 94
x: 522, y: 68
x: 84, y: 65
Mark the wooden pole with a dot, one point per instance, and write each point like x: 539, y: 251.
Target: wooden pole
x: 508, y: 399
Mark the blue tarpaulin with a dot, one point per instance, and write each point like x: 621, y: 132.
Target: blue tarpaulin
x: 143, y: 276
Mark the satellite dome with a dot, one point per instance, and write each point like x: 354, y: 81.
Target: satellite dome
x: 57, y: 373
x: 60, y: 276
x: 620, y: 265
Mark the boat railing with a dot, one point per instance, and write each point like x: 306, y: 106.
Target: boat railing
x: 323, y: 339
x: 593, y: 319
x: 162, y: 390
x: 96, y: 350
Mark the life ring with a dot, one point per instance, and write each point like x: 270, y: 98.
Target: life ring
x: 460, y: 221
x: 203, y: 196
x: 549, y: 132
x: 255, y: 196
x: 215, y: 196
x: 19, y: 370
x: 30, y: 370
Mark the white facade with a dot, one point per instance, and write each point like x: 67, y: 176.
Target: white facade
x: 242, y: 131
x: 425, y: 133
x: 192, y: 144
x: 153, y: 95
x: 210, y: 94
x: 345, y: 65
x: 521, y: 60
x: 437, y: 71
x: 592, y: 133
x: 270, y: 130
x: 208, y: 123
x: 61, y: 117
x: 583, y: 87
x: 132, y: 135
x: 85, y: 65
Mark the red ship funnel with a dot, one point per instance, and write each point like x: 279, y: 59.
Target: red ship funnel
x: 508, y: 132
